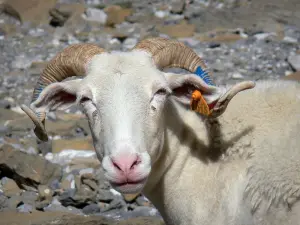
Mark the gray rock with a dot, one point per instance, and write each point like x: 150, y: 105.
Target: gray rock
x: 78, y: 198
x: 10, y: 187
x: 29, y: 197
x: 45, y: 193
x: 60, y: 208
x: 14, y: 201
x: 5, y: 104
x: 142, y: 201
x: 28, y: 169
x: 25, y: 208
x: 91, y: 209
x: 3, y: 202
x: 105, y: 196
x: 129, y: 43
x: 294, y: 61
x: 177, y: 6
x: 290, y: 40
x: 54, y: 185
x: 96, y: 15
x: 41, y: 205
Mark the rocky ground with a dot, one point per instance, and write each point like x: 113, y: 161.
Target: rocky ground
x: 61, y: 181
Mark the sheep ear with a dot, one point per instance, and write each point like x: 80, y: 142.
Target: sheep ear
x: 216, y: 98
x: 183, y: 86
x: 57, y: 96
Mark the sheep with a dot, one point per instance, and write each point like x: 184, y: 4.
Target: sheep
x: 239, y: 165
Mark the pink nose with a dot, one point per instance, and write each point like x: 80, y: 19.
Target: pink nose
x: 126, y: 163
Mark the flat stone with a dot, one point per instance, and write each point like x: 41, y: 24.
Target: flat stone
x: 294, y: 61
x: 29, y: 197
x: 25, y: 208
x: 116, y: 14
x: 75, y: 144
x: 34, y: 11
x: 13, y: 202
x: 3, y: 202
x: 10, y: 187
x: 28, y: 169
x: 293, y: 76
x: 178, y: 30
x: 96, y: 15
x: 6, y: 114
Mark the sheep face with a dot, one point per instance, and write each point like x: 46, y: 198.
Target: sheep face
x: 124, y: 105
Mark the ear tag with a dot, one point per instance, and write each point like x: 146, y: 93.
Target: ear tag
x: 198, y: 102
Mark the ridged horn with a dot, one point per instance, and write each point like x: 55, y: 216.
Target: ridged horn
x: 71, y: 61
x: 168, y: 53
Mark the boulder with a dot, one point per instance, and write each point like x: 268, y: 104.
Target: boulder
x: 26, y: 169
x: 116, y: 14
x: 33, y: 11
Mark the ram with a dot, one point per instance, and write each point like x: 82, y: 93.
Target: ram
x: 239, y: 165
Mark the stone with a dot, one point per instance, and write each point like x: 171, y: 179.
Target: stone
x: 3, y: 202
x: 293, y: 76
x: 25, y: 208
x: 6, y: 114
x: 116, y: 14
x: 105, y: 196
x: 74, y: 144
x: 177, y: 6
x: 162, y: 14
x: 10, y: 187
x: 143, y: 201
x: 129, y: 43
x: 91, y: 183
x: 91, y: 209
x: 33, y: 11
x: 290, y: 40
x: 220, y: 36
x: 45, y: 193
x: 68, y: 156
x: 294, y: 61
x: 96, y: 15
x: 29, y: 197
x: 68, y: 182
x: 28, y: 169
x: 78, y: 198
x: 40, y: 205
x: 13, y: 202
x: 68, y: 15
x: 237, y: 75
x: 180, y: 30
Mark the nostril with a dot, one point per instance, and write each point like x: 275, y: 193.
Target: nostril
x: 135, y: 163
x: 116, y: 165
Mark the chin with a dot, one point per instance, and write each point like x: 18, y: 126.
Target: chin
x: 129, y: 188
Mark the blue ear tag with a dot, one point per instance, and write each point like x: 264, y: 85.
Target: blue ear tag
x: 204, y: 75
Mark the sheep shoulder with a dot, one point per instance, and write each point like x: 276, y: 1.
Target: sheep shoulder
x: 269, y: 115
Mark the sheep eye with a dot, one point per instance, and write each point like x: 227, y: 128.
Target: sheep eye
x: 84, y: 99
x: 161, y: 91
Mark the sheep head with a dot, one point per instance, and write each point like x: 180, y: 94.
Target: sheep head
x: 123, y: 95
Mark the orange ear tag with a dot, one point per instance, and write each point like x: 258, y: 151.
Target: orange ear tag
x: 199, y: 104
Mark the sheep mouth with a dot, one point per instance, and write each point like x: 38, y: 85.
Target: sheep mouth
x: 129, y: 187
x: 136, y: 182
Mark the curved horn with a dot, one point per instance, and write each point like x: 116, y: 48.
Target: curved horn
x: 171, y: 53
x: 71, y: 61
